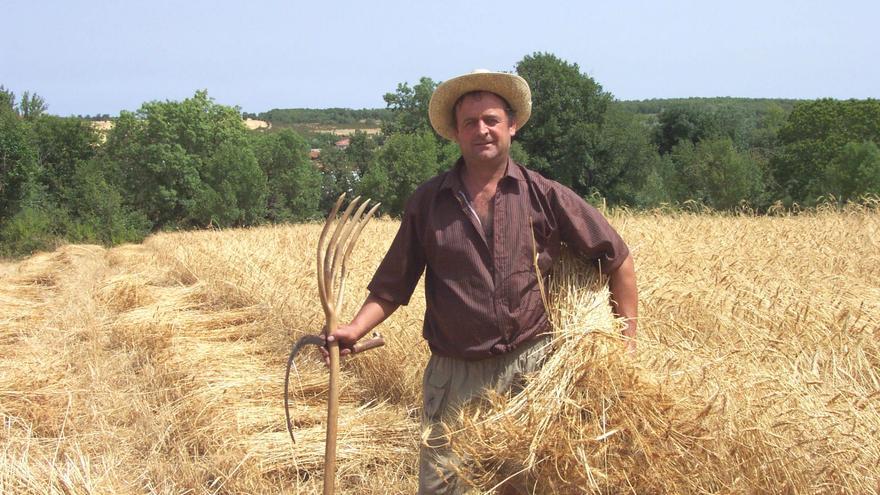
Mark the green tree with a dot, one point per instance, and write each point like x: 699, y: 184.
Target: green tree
x: 400, y: 166
x: 233, y: 190
x: 294, y: 183
x: 714, y: 173
x: 764, y: 146
x: 855, y: 172
x: 658, y: 183
x: 19, y: 169
x: 409, y: 108
x: 55, y: 186
x: 342, y: 169
x: 32, y: 105
x: 695, y: 120
x: 682, y: 124
x: 7, y: 99
x: 813, y: 138
x: 338, y: 175
x: 160, y: 178
x: 624, y: 158
x: 61, y: 144
x: 562, y: 136
x: 361, y: 150
x: 95, y: 209
x: 165, y: 153
x: 450, y: 152
x: 80, y: 190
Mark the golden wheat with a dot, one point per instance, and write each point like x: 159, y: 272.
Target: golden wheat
x: 158, y: 367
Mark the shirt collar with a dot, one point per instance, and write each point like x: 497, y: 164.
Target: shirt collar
x: 453, y: 177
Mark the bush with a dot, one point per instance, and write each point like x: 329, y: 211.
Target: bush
x: 97, y: 210
x: 28, y: 231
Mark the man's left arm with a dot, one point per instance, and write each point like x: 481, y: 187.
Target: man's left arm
x: 625, y: 298
x: 586, y: 230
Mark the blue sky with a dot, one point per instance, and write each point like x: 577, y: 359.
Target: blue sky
x: 101, y: 56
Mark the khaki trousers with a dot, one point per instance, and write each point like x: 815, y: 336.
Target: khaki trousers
x: 447, y: 384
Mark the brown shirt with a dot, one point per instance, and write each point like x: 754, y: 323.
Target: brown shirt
x: 482, y: 296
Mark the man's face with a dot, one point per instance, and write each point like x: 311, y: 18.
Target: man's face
x: 483, y: 130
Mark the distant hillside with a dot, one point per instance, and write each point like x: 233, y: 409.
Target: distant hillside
x: 373, y: 117
x: 753, y: 106
x: 326, y: 116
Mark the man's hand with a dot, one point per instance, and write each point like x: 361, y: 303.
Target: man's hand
x: 373, y: 312
x: 625, y: 299
x: 347, y: 336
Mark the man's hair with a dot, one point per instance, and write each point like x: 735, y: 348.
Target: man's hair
x: 511, y: 113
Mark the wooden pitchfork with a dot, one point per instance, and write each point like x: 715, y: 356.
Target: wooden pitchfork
x: 332, y: 266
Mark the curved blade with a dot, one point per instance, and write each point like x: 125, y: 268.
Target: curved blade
x: 318, y: 340
x: 297, y: 346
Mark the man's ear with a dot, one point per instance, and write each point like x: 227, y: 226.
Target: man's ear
x: 512, y: 128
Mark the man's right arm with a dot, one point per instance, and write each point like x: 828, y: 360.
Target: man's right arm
x: 373, y: 312
x: 393, y: 283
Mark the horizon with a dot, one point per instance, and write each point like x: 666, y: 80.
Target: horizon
x: 258, y: 113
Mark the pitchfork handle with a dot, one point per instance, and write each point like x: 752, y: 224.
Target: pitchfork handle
x: 366, y: 345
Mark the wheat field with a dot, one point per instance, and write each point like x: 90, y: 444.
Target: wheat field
x: 158, y: 367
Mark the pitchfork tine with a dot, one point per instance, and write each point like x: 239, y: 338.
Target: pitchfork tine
x: 330, y: 256
x: 356, y: 233
x: 342, y: 246
x: 322, y: 282
x: 344, y: 237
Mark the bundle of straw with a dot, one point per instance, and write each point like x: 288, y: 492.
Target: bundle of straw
x: 595, y: 419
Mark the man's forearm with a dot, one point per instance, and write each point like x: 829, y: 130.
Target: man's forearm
x: 625, y: 296
x: 373, y: 312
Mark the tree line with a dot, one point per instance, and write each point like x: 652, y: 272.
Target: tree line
x: 193, y: 164
x: 168, y: 165
x: 720, y: 153
x: 323, y: 116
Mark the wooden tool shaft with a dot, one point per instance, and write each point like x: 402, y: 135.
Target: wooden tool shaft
x: 332, y: 420
x: 367, y: 344
x: 332, y: 261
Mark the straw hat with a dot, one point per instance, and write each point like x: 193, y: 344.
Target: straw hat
x: 511, y: 87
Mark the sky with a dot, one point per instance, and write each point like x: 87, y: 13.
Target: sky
x: 101, y: 56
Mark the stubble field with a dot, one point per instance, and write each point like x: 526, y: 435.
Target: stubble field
x: 157, y: 368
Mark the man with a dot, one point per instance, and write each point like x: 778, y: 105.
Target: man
x: 474, y: 230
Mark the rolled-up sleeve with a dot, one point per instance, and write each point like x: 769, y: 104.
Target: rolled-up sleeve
x: 587, y: 231
x: 400, y: 270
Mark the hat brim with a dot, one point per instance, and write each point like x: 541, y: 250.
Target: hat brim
x: 513, y: 88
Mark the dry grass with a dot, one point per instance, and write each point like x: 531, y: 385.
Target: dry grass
x: 158, y: 368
